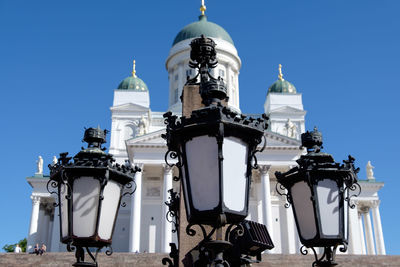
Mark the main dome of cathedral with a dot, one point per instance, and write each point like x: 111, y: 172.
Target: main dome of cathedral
x: 203, y: 26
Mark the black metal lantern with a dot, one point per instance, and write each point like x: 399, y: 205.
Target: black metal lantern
x: 89, y: 191
x: 319, y: 191
x: 215, y: 148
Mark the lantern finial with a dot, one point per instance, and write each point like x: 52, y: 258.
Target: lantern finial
x: 312, y: 140
x: 203, y: 57
x: 95, y: 137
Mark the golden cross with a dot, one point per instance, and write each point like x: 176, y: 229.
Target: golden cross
x: 203, y: 7
x: 134, y: 68
x: 280, y: 76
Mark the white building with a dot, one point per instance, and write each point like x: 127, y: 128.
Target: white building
x: 136, y: 134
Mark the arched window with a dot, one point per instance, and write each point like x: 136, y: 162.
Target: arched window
x: 129, y: 131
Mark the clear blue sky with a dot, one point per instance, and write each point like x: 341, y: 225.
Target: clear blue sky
x: 61, y: 60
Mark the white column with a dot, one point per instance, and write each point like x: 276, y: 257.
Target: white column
x: 33, y: 228
x: 55, y: 235
x: 368, y: 232
x: 50, y: 230
x: 181, y: 79
x: 136, y: 209
x: 376, y: 217
x: 291, y: 239
x: 167, y: 226
x: 266, y: 199
x: 355, y: 243
x: 45, y: 225
x: 361, y: 229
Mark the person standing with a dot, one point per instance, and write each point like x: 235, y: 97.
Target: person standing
x: 17, y: 249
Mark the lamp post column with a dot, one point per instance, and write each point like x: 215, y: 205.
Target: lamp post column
x: 33, y: 228
x: 380, y: 244
x: 266, y: 198
x: 167, y: 226
x: 136, y: 210
x: 368, y: 231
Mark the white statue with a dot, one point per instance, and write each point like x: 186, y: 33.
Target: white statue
x: 39, y: 165
x: 370, y: 172
x: 143, y: 126
x: 291, y: 129
x: 54, y: 162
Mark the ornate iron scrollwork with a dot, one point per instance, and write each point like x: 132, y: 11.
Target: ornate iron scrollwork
x: 172, y: 215
x: 327, y: 259
x: 174, y: 256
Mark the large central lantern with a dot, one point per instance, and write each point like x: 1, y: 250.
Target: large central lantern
x: 215, y: 148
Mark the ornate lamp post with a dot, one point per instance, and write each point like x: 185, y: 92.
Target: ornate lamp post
x: 319, y: 191
x: 89, y: 191
x: 215, y: 148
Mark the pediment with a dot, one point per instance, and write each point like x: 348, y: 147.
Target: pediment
x: 129, y: 107
x: 278, y: 140
x: 154, y: 139
x: 288, y: 110
x: 148, y: 140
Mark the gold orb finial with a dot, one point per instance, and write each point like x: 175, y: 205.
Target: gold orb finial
x: 134, y: 69
x: 202, y: 7
x: 280, y: 76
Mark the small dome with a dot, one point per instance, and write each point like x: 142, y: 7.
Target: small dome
x: 196, y: 29
x: 282, y: 86
x: 133, y: 83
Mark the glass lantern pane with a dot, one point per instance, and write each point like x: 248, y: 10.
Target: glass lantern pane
x: 86, y: 191
x: 64, y: 210
x: 328, y: 206
x: 234, y: 173
x: 202, y: 161
x: 109, y: 208
x: 304, y: 210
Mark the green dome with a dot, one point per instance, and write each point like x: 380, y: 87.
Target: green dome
x: 282, y: 86
x: 196, y: 29
x: 133, y: 83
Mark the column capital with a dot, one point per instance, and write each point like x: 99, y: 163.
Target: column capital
x: 362, y: 208
x: 263, y: 169
x: 35, y: 200
x: 375, y: 203
x: 167, y: 168
x: 139, y: 165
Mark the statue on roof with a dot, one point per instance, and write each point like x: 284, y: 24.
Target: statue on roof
x: 370, y: 172
x: 291, y: 129
x: 39, y: 165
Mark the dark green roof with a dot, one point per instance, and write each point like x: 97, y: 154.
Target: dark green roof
x: 282, y: 86
x: 133, y: 83
x: 196, y: 29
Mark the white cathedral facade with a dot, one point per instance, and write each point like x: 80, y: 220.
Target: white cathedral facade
x: 136, y: 135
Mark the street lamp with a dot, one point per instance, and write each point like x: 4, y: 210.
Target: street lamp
x: 319, y: 191
x: 215, y: 148
x: 89, y: 191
